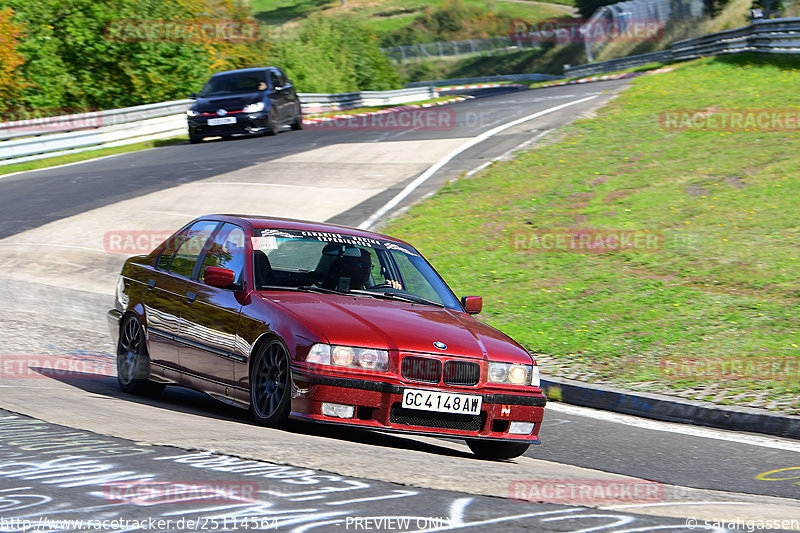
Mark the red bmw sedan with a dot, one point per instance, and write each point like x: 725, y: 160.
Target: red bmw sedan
x: 322, y: 323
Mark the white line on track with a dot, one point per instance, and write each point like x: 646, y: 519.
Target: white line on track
x: 674, y: 427
x: 425, y: 176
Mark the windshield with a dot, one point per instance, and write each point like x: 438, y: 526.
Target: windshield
x: 335, y: 262
x: 233, y: 83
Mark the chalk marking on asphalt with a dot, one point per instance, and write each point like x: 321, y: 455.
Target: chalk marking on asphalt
x: 425, y: 176
x: 674, y: 427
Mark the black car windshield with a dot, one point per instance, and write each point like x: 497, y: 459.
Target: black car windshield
x: 233, y: 84
x: 336, y: 262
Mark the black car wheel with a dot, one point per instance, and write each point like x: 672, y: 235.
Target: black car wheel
x: 298, y: 118
x: 133, y: 363
x: 270, y: 384
x: 272, y: 122
x: 195, y: 139
x: 487, y: 449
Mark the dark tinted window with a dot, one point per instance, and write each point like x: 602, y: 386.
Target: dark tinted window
x: 196, y: 237
x: 226, y: 251
x: 276, y: 80
x: 166, y: 256
x: 232, y: 83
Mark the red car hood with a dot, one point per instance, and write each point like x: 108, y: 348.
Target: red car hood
x: 373, y: 323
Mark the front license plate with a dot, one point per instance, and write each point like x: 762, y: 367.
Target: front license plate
x: 443, y: 402
x: 221, y: 121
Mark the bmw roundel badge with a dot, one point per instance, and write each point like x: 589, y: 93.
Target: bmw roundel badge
x: 440, y: 345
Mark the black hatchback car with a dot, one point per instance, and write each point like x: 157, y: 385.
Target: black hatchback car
x: 246, y: 101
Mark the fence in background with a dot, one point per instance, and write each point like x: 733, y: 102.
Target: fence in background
x: 776, y: 36
x: 421, y: 51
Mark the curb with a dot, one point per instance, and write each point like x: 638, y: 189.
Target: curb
x: 671, y: 409
x: 481, y: 86
x: 608, y: 77
x: 310, y: 121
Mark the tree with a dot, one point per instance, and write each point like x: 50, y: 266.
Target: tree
x: 335, y: 54
x: 88, y: 54
x: 10, y: 80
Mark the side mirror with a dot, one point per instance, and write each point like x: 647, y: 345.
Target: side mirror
x: 219, y: 277
x: 193, y: 96
x: 472, y: 304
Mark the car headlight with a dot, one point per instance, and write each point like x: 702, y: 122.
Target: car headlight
x: 349, y: 357
x: 254, y: 108
x: 191, y: 113
x: 511, y: 373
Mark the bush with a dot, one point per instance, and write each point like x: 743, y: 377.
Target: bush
x: 10, y: 80
x: 334, y: 55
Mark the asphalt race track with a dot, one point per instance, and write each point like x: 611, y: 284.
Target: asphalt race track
x: 66, y: 445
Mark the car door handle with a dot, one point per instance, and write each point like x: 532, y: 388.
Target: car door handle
x: 150, y: 284
x: 191, y: 296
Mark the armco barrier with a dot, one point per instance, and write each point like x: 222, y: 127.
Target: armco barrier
x: 776, y: 36
x: 27, y: 140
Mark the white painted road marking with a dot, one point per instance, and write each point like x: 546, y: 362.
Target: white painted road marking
x: 675, y: 427
x: 425, y: 176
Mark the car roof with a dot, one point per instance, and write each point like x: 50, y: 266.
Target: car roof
x: 260, y: 221
x: 245, y: 71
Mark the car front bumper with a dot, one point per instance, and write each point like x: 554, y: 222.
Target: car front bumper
x: 245, y: 123
x: 378, y: 405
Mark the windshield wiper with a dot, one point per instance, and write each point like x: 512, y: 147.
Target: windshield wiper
x: 400, y: 296
x: 313, y: 288
x: 301, y: 288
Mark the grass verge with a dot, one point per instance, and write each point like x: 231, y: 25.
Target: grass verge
x: 712, y: 313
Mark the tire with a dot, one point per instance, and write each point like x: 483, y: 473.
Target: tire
x: 273, y: 126
x: 133, y: 363
x: 194, y: 139
x: 487, y: 449
x: 298, y: 119
x: 270, y: 385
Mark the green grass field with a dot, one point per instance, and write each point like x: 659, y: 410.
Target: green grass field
x: 713, y: 314
x: 384, y: 16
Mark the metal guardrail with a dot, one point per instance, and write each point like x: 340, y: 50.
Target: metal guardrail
x: 39, y: 138
x: 775, y: 36
x: 316, y: 102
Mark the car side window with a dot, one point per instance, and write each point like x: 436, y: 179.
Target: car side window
x: 226, y: 251
x: 275, y: 79
x: 414, y: 280
x: 191, y: 247
x: 169, y: 251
